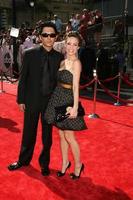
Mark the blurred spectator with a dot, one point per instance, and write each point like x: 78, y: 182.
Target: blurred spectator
x: 119, y: 30
x: 58, y: 23
x: 85, y: 16
x: 83, y: 30
x: 91, y: 31
x: 75, y: 22
x: 72, y: 18
x: 121, y: 60
x: 68, y: 27
x: 60, y: 46
x: 28, y: 43
x: 98, y: 26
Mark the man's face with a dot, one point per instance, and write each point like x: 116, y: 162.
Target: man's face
x: 48, y: 37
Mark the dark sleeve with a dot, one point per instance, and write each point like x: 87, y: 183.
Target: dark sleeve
x: 23, y: 80
x: 62, y: 57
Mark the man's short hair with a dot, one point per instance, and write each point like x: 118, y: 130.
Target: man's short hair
x: 47, y: 24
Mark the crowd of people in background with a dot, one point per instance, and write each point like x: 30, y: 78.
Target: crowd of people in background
x: 80, y: 22
x: 89, y: 24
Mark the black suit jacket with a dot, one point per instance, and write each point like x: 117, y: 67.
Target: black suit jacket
x: 29, y: 91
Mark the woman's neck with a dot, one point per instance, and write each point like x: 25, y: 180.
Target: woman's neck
x: 71, y: 58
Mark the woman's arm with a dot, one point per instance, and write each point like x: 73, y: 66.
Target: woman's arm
x: 76, y: 82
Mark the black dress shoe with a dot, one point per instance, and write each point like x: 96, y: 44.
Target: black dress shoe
x: 14, y: 166
x: 75, y: 177
x: 60, y: 174
x: 45, y: 171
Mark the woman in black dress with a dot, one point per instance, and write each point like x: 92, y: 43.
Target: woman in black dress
x: 67, y: 93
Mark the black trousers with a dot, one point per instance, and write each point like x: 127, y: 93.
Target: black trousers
x: 29, y: 138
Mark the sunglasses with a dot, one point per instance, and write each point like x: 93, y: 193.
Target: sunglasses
x: 51, y: 35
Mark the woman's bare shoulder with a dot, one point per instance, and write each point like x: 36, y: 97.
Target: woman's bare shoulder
x: 77, y: 66
x: 77, y: 62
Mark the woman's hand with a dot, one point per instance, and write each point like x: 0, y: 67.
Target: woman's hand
x: 72, y: 112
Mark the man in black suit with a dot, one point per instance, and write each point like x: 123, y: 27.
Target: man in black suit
x: 37, y: 82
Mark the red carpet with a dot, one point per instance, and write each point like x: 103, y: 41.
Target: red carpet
x: 106, y: 150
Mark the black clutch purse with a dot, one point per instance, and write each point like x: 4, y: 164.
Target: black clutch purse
x: 60, y: 112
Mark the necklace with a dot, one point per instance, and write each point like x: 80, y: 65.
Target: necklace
x: 70, y: 61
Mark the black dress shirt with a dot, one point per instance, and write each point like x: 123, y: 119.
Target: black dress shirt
x: 30, y: 90
x: 48, y: 74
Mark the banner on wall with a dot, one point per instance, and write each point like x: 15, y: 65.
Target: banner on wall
x: 14, y: 32
x: 6, y: 59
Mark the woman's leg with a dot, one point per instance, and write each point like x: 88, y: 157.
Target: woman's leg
x: 70, y: 137
x: 64, y: 150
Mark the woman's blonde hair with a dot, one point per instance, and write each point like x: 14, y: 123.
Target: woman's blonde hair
x: 74, y: 34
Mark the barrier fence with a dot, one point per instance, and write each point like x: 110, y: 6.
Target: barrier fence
x: 1, y: 79
x: 100, y: 82
x: 95, y: 81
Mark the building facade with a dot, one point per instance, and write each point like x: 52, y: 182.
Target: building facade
x: 34, y: 10
x: 4, y: 13
x: 18, y: 11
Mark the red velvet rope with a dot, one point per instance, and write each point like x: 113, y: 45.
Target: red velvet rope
x: 112, y: 95
x: 9, y: 79
x: 126, y: 81
x: 110, y: 79
x: 87, y: 84
x: 92, y: 81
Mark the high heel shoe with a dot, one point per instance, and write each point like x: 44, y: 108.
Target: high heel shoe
x: 74, y: 177
x: 59, y: 173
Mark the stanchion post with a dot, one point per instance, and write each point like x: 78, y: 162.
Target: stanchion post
x: 94, y: 115
x: 1, y: 90
x: 118, y: 90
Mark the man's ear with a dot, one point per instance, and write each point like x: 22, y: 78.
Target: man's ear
x: 56, y: 38
x: 40, y: 38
